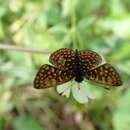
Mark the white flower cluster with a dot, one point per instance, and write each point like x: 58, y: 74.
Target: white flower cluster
x: 80, y: 91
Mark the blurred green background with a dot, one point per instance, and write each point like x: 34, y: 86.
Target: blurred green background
x: 99, y: 25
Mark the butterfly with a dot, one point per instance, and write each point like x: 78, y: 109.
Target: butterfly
x: 68, y: 64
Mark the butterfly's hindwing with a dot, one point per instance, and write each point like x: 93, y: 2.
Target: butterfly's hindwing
x: 50, y: 76
x: 105, y: 74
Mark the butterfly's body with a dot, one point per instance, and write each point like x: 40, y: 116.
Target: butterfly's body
x: 71, y: 64
x: 77, y: 72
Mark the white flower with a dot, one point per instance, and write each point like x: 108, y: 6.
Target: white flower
x: 80, y: 91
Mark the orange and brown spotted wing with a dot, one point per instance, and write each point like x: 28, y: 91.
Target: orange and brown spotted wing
x: 50, y: 76
x: 105, y: 74
x: 63, y: 58
x: 89, y: 59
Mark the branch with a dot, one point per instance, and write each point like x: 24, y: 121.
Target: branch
x: 16, y: 48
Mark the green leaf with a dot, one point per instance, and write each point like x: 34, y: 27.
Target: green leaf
x: 27, y: 123
x: 122, y: 53
x: 121, y: 117
x: 1, y: 123
x: 68, y: 6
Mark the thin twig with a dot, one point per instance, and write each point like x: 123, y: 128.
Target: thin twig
x: 16, y: 48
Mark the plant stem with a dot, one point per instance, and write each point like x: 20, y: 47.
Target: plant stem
x: 17, y: 48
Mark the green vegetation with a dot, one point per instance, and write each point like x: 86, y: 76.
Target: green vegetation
x: 99, y: 25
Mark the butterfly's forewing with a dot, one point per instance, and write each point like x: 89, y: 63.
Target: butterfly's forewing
x: 89, y: 59
x: 50, y: 76
x: 105, y: 74
x: 63, y: 58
